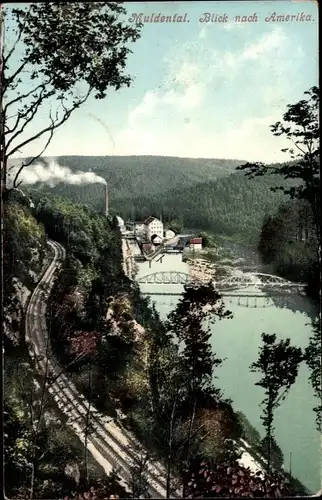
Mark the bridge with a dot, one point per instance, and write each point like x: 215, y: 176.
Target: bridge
x: 249, y: 301
x: 228, y: 284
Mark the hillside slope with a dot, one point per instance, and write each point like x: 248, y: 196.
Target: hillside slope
x: 202, y: 193
x: 129, y: 175
x: 229, y: 205
x: 25, y: 258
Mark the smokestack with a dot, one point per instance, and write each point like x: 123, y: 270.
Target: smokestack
x: 106, y: 201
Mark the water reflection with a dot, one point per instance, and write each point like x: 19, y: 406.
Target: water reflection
x: 237, y: 340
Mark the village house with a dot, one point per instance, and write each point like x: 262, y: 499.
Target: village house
x: 195, y: 244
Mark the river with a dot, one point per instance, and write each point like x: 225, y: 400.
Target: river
x: 238, y: 340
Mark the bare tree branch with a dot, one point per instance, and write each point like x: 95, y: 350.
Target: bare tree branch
x: 32, y: 111
x: 20, y: 97
x: 7, y: 81
x: 296, y: 144
x: 65, y: 117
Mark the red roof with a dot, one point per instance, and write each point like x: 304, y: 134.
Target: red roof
x: 196, y: 241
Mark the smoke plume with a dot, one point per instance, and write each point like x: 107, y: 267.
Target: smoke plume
x: 52, y: 174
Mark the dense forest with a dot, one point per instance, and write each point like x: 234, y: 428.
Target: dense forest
x: 288, y: 242
x: 230, y: 205
x: 120, y: 356
x: 128, y: 176
x: 207, y: 195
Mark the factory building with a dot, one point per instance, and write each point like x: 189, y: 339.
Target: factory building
x: 153, y: 226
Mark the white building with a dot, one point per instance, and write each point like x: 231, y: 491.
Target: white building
x: 169, y: 234
x: 139, y: 228
x: 156, y: 240
x: 153, y: 226
x: 195, y: 244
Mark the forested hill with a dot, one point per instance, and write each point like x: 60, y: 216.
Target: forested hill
x: 204, y: 193
x: 129, y: 175
x: 230, y: 205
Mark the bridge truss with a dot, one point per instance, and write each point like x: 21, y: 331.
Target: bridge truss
x: 165, y: 278
x: 240, y: 281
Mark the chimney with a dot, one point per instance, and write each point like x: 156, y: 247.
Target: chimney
x: 106, y: 201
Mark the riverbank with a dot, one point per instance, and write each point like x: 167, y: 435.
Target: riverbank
x: 237, y: 341
x: 298, y: 305
x: 247, y: 458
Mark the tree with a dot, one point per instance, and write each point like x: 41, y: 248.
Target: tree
x: 37, y: 447
x: 187, y: 321
x: 276, y: 454
x: 68, y: 52
x: 278, y: 364
x: 176, y: 224
x: 286, y: 242
x: 139, y: 478
x: 301, y: 127
x: 313, y: 359
x: 83, y: 345
x: 169, y: 432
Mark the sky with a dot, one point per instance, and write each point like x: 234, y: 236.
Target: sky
x: 201, y: 90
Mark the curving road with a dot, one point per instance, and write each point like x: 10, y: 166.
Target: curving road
x: 110, y: 444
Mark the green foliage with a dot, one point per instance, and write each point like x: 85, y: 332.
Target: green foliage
x: 93, y: 303
x: 287, y: 241
x: 278, y: 363
x: 281, y: 238
x: 203, y: 194
x: 313, y: 356
x: 249, y: 433
x: 24, y: 258
x: 197, y: 360
x: 276, y: 456
x: 176, y: 225
x: 32, y: 436
x: 259, y: 445
x: 301, y: 127
x: 128, y: 177
x: 228, y: 205
x: 208, y: 240
x: 87, y: 236
x: 23, y: 243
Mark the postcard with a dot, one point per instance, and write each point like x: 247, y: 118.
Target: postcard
x: 160, y: 249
